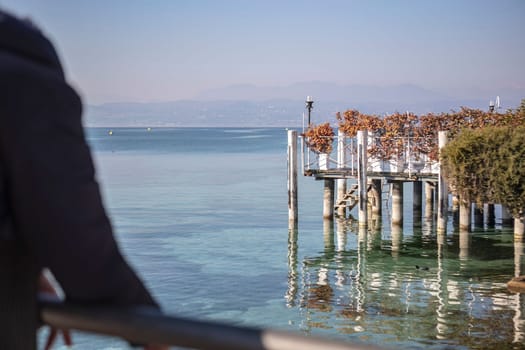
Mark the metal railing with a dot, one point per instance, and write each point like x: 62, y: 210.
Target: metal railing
x: 385, y: 155
x: 146, y: 326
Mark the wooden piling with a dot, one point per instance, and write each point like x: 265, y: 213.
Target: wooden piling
x: 442, y: 189
x: 292, y: 180
x: 397, y: 203
x: 362, y: 143
x: 341, y: 183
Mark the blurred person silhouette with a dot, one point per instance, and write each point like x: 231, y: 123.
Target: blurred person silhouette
x: 51, y: 211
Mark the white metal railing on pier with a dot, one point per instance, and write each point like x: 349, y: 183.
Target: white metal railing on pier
x: 387, y: 155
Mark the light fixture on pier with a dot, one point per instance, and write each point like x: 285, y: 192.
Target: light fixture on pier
x: 309, y: 106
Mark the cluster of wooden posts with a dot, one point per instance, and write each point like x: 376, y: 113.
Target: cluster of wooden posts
x: 368, y: 191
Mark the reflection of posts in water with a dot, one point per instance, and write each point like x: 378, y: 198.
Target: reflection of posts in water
x: 519, y: 298
x: 518, y: 258
x: 519, y: 318
x: 417, y: 198
x: 396, y: 232
x: 442, y: 295
x: 464, y: 245
x: 291, y: 293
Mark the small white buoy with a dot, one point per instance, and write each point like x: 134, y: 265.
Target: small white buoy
x: 149, y: 129
x: 110, y: 132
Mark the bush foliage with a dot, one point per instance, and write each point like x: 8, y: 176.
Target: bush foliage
x: 488, y: 165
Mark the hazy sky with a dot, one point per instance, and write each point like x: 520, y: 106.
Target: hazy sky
x: 130, y: 50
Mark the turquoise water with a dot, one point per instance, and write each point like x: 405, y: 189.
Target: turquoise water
x: 202, y: 216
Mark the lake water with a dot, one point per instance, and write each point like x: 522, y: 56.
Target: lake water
x: 202, y: 216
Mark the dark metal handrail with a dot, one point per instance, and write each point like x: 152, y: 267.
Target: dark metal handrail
x: 146, y: 326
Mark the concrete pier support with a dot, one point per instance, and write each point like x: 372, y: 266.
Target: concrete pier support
x: 442, y: 189
x: 362, y: 142
x: 429, y: 201
x: 491, y: 215
x: 464, y: 216
x: 328, y: 199
x: 397, y: 203
x: 519, y: 229
x: 417, y: 197
x: 292, y: 180
x: 377, y: 197
x: 506, y: 218
x: 341, y: 183
x: 478, y: 216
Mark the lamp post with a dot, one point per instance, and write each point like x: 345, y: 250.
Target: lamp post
x: 309, y: 106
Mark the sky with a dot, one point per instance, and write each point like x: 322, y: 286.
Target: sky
x: 161, y: 50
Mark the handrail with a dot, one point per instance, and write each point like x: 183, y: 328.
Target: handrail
x: 147, y: 326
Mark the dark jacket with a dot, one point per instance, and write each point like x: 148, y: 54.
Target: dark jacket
x: 51, y: 213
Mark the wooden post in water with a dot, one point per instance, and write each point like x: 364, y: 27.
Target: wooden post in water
x: 292, y: 180
x: 341, y: 183
x: 397, y: 203
x: 442, y: 189
x: 362, y: 143
x: 417, y: 198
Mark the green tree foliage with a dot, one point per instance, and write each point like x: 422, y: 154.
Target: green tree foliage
x: 488, y: 165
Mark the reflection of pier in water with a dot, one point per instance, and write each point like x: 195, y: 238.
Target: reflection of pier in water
x: 365, y: 283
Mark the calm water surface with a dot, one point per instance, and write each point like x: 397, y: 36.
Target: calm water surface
x: 202, y: 215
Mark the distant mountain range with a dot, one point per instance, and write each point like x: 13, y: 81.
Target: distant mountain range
x: 250, y: 105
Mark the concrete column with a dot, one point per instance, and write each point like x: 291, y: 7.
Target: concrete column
x: 478, y: 216
x: 292, y: 180
x: 506, y: 217
x: 491, y: 216
x: 429, y: 201
x: 362, y: 142
x: 397, y: 203
x: 328, y: 199
x: 377, y: 197
x: 464, y: 216
x: 519, y: 229
x: 417, y: 198
x: 442, y: 189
